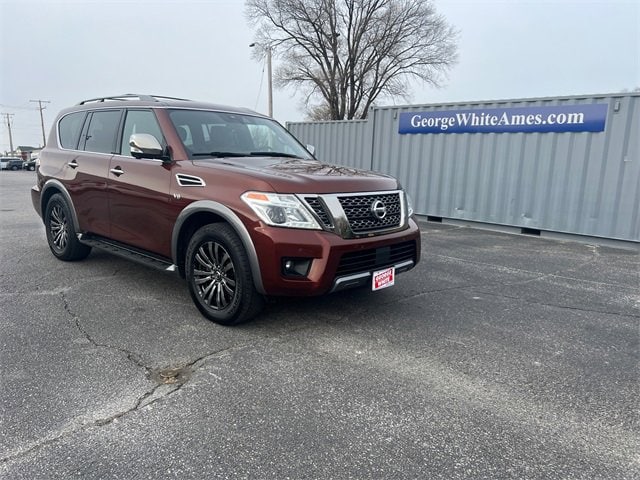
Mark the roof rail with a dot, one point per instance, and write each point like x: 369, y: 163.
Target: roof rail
x: 131, y: 96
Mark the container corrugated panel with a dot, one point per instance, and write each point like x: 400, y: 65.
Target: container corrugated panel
x: 572, y: 182
x: 345, y: 143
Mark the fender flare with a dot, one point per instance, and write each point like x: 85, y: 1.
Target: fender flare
x: 60, y: 188
x: 232, y: 219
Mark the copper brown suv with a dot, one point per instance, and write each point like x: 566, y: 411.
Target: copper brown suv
x: 224, y: 196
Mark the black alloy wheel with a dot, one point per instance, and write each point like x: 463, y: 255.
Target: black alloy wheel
x: 214, y: 275
x: 219, y: 276
x: 61, y: 234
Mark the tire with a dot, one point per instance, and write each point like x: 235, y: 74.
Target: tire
x: 219, y: 276
x: 14, y: 168
x: 61, y: 234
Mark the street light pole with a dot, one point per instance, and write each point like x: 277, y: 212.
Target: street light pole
x: 270, y: 81
x: 270, y: 78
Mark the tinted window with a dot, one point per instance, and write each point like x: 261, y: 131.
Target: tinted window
x: 139, y: 121
x: 101, y: 135
x: 69, y: 129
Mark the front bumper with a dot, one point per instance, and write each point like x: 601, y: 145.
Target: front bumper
x: 337, y: 263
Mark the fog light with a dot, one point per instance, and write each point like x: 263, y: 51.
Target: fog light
x: 295, y: 267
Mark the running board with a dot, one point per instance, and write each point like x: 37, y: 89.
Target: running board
x: 127, y: 252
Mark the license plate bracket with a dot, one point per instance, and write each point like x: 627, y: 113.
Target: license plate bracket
x: 383, y: 278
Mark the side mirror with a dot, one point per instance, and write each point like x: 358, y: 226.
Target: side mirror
x: 144, y: 145
x: 311, y: 149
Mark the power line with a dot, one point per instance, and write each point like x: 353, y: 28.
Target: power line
x: 40, y: 107
x: 14, y: 107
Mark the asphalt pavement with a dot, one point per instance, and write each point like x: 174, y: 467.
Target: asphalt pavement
x: 499, y: 356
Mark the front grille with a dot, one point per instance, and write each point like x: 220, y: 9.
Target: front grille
x: 358, y: 209
x: 319, y: 209
x: 367, y: 260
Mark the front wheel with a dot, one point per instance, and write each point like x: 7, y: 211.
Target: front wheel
x: 219, y: 276
x: 61, y: 234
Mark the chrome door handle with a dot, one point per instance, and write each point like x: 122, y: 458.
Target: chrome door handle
x: 117, y: 171
x: 73, y: 163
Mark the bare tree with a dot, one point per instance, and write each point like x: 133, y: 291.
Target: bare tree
x: 345, y: 54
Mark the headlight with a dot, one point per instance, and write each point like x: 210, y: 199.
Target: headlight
x: 280, y: 210
x: 409, y: 204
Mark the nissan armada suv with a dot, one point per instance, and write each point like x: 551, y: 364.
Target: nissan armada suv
x: 225, y: 197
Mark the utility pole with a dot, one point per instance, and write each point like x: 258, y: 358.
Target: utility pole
x: 40, y: 107
x: 8, y: 115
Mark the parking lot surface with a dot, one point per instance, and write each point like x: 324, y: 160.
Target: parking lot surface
x: 499, y: 356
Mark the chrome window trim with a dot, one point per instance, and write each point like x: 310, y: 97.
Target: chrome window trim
x: 90, y: 152
x: 127, y: 157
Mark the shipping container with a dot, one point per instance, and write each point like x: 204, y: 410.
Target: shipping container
x: 548, y: 170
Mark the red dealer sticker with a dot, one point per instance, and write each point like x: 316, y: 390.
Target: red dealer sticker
x: 383, y: 278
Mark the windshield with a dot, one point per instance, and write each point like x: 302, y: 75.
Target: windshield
x: 207, y: 133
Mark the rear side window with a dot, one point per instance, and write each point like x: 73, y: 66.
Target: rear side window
x: 101, y: 134
x: 139, y: 121
x: 69, y: 129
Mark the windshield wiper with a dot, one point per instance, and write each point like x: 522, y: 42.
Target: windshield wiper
x: 219, y: 154
x: 274, y: 154
x: 248, y: 154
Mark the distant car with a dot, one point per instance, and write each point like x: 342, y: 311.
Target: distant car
x: 11, y: 163
x: 30, y: 164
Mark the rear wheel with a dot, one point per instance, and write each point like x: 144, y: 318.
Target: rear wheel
x: 61, y: 234
x: 219, y: 276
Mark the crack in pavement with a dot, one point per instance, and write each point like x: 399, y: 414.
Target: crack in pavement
x: 146, y: 399
x: 131, y: 356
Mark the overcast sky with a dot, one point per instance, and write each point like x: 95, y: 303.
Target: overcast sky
x: 67, y: 51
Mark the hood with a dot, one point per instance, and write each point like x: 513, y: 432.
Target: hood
x: 293, y: 175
